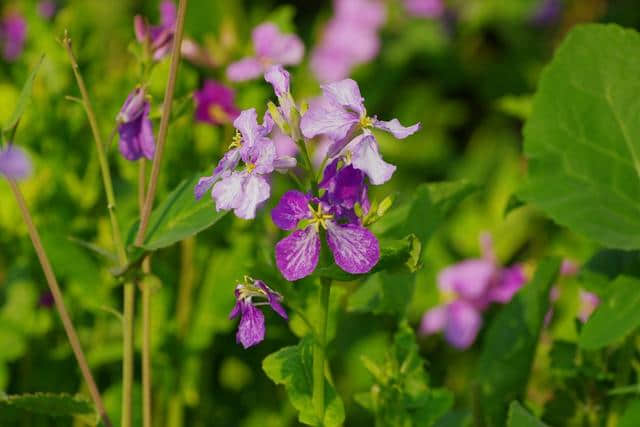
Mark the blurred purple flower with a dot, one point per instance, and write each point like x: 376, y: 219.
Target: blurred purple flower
x: 135, y: 128
x: 251, y: 328
x: 46, y: 300
x: 214, y: 104
x: 47, y: 8
x: 425, y: 8
x: 271, y: 48
x: 14, y: 163
x: 471, y: 285
x: 349, y: 39
x: 13, y: 33
x: 588, y: 303
x: 546, y: 13
x: 157, y: 39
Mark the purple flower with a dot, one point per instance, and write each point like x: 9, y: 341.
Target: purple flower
x: 243, y: 191
x: 588, y: 303
x: 46, y: 300
x: 214, y: 104
x: 271, y: 47
x: 279, y: 78
x: 546, y: 13
x: 425, y: 8
x: 47, y: 8
x: 349, y: 39
x: 135, y: 128
x: 13, y: 33
x: 340, y: 114
x: 252, y: 328
x: 157, y: 39
x: 14, y: 163
x: 355, y: 249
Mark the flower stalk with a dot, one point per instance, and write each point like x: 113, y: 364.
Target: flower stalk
x: 320, y: 351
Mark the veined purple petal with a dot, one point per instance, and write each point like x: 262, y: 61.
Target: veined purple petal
x: 133, y: 107
x: 463, y: 323
x: 325, y: 117
x: 292, y: 207
x: 136, y: 137
x: 14, y: 163
x: 261, y: 154
x: 244, y: 69
x: 228, y: 163
x: 251, y: 328
x: 396, y: 129
x: 509, y: 282
x: 469, y: 279
x: 279, y: 78
x: 273, y: 46
x: 228, y: 191
x: 255, y: 191
x: 345, y: 93
x: 355, y: 249
x: 297, y: 254
x: 203, y: 185
x: 237, y: 309
x: 434, y: 320
x: 366, y: 157
x: 274, y: 299
x: 345, y: 187
x: 283, y: 164
x: 247, y: 124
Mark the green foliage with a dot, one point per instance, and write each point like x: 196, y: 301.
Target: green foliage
x: 631, y: 416
x: 584, y: 117
x: 291, y: 367
x: 23, y: 101
x: 55, y: 405
x: 520, y: 417
x: 510, y: 344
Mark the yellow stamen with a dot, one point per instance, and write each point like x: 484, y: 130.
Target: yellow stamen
x: 319, y: 218
x: 366, y: 122
x: 236, y: 142
x: 250, y: 167
x: 218, y: 114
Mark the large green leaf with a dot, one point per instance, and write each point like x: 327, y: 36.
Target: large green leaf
x: 55, y: 405
x: 520, y: 417
x: 291, y: 366
x: 605, y: 266
x: 23, y: 101
x: 631, y: 416
x: 583, y: 136
x: 510, y: 345
x: 616, y: 317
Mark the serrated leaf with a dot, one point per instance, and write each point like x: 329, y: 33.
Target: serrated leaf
x: 55, y: 405
x: 616, y: 317
x: 510, y: 345
x: 583, y: 136
x: 520, y: 417
x: 291, y: 367
x: 23, y: 101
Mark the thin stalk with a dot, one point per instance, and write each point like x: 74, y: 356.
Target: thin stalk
x: 62, y: 310
x: 146, y: 316
x: 320, y: 351
x: 129, y: 289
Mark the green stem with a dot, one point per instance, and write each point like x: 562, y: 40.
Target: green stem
x: 59, y: 302
x: 320, y: 351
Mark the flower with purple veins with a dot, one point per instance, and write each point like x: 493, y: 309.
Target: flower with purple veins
x: 249, y: 296
x: 157, y: 39
x: 340, y: 114
x: 214, y: 104
x: 13, y: 33
x: 135, y: 128
x: 14, y: 163
x: 271, y: 48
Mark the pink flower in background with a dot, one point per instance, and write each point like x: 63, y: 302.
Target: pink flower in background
x: 14, y: 163
x: 349, y: 39
x: 588, y: 303
x: 13, y: 34
x: 473, y: 285
x: 425, y: 8
x: 214, y: 104
x: 47, y: 8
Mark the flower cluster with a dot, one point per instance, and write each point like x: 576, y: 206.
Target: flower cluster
x: 13, y: 34
x: 157, y: 39
x: 471, y: 286
x: 14, y: 163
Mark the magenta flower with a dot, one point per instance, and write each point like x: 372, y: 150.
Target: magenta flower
x: 271, y: 48
x: 157, y: 39
x: 425, y: 8
x: 472, y: 286
x: 135, y: 128
x: 251, y: 328
x: 13, y: 34
x: 340, y: 114
x: 47, y: 8
x: 588, y: 303
x: 243, y: 191
x: 14, y: 163
x: 214, y: 104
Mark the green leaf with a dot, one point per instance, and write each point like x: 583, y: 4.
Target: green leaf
x: 291, y: 367
x: 180, y: 216
x: 510, y: 345
x: 631, y: 416
x: 616, y: 317
x: 563, y: 356
x: 23, y: 101
x: 520, y: 417
x: 605, y: 266
x: 55, y: 405
x: 583, y: 136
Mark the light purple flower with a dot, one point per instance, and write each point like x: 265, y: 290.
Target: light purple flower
x: 588, y: 303
x: 249, y: 296
x: 14, y: 163
x: 135, y: 128
x: 460, y: 321
x: 271, y: 48
x: 157, y: 39
x: 425, y: 8
x: 340, y: 114
x: 279, y: 78
x: 13, y: 34
x: 214, y: 104
x: 47, y: 8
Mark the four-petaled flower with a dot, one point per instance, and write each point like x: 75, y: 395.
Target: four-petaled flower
x: 135, y: 128
x: 214, y: 104
x: 271, y: 48
x: 249, y: 296
x: 157, y: 39
x: 340, y: 114
x: 14, y: 163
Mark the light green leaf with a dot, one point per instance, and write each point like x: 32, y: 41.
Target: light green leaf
x: 55, y: 405
x: 520, y: 417
x: 583, y: 136
x: 616, y: 317
x: 291, y: 367
x: 23, y: 101
x: 631, y: 416
x: 510, y: 345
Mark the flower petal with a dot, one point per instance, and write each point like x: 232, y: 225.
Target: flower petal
x: 396, y: 129
x: 325, y: 117
x: 274, y: 299
x: 355, y: 249
x: 279, y: 79
x: 147, y: 141
x: 255, y: 191
x: 278, y: 48
x: 261, y: 154
x: 283, y: 164
x: 367, y: 158
x: 247, y: 124
x: 14, y: 163
x: 509, y: 282
x: 228, y: 191
x: 463, y: 324
x: 434, y: 320
x: 297, y: 254
x: 469, y: 279
x: 251, y: 328
x: 292, y: 207
x: 244, y: 69
x: 345, y: 93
